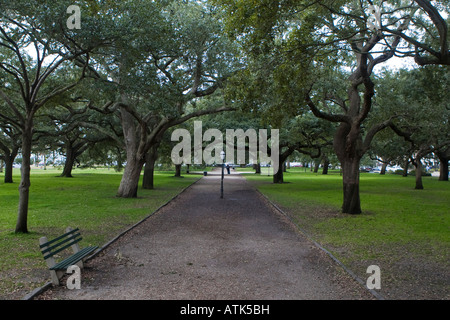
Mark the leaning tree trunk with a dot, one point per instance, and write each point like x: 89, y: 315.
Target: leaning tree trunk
x: 130, y: 180
x: 135, y: 157
x: 68, y: 165
x: 73, y: 151
x: 316, y: 166
x: 405, y: 168
x: 24, y: 186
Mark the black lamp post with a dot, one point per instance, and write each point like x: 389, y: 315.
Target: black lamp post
x: 222, y: 156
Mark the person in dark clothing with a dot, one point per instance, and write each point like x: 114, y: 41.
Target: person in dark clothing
x: 228, y: 168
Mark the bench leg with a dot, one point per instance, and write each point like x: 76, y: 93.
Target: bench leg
x: 80, y: 264
x: 75, y: 248
x: 50, y: 263
x: 54, y: 277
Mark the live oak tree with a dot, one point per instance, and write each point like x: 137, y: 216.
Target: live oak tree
x: 10, y: 133
x: 267, y: 90
x: 305, y: 134
x: 419, y: 99
x: 164, y: 57
x: 35, y: 44
x: 9, y: 145
x: 390, y: 150
x: 352, y: 139
x: 70, y: 128
x: 387, y: 147
x: 319, y: 42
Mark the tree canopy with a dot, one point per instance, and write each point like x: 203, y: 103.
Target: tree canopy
x: 130, y: 71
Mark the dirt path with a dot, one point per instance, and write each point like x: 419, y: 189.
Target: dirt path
x: 203, y: 247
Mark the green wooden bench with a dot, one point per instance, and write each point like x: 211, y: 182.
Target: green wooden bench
x: 51, y: 248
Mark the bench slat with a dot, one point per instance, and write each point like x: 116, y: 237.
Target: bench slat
x: 69, y: 238
x: 73, y: 259
x: 52, y: 253
x: 58, y: 238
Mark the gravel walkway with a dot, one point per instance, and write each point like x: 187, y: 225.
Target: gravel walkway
x: 202, y: 247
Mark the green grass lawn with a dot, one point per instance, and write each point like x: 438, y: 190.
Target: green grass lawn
x: 86, y: 201
x: 404, y: 231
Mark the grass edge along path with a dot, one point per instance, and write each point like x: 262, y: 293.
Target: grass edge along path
x: 86, y: 201
x: 403, y: 231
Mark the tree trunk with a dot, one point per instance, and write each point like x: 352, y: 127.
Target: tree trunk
x: 350, y: 174
x: 9, y: 162
x: 68, y: 165
x: 278, y: 177
x: 178, y: 170
x: 418, y: 165
x: 149, y: 170
x: 383, y: 168
x: 444, y: 157
x: 347, y: 145
x: 258, y: 168
x: 316, y: 166
x: 8, y: 158
x: 119, y: 167
x: 130, y: 179
x: 24, y: 186
x: 148, y: 178
x: 73, y: 151
x: 405, y: 168
x: 326, y: 164
x: 135, y: 157
x: 443, y: 170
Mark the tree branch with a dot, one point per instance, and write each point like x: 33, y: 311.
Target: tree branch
x: 326, y: 116
x: 102, y: 130
x: 12, y: 106
x: 439, y: 22
x: 373, y: 131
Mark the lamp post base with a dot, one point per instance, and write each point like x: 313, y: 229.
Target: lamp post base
x: 221, y: 183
